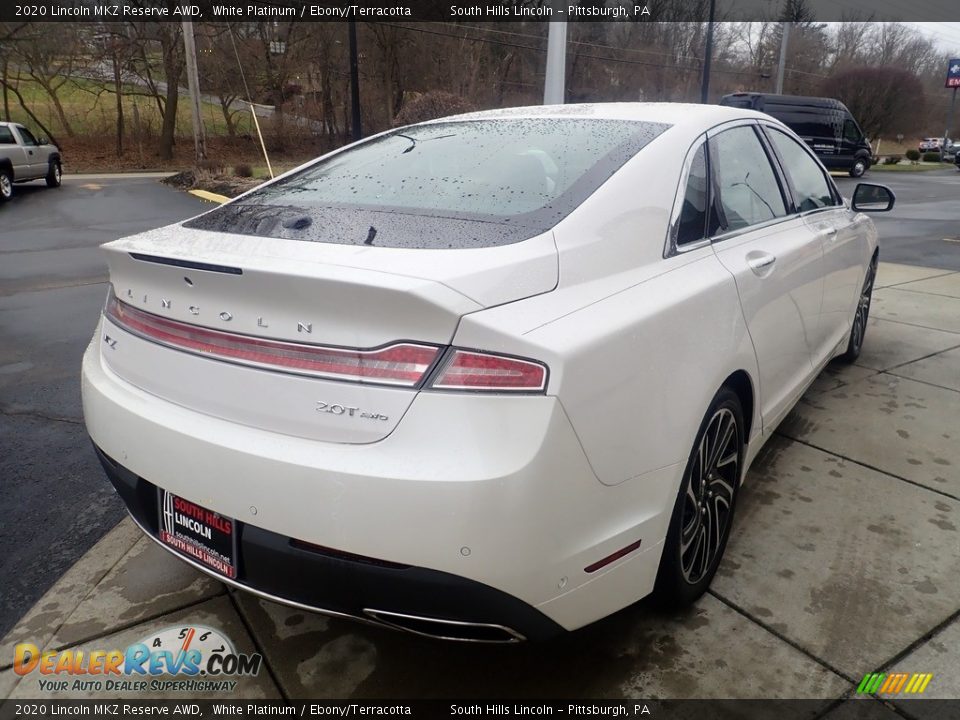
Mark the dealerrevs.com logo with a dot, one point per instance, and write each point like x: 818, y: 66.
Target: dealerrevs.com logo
x: 190, y: 658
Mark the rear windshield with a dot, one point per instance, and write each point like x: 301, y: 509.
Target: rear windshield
x: 471, y: 183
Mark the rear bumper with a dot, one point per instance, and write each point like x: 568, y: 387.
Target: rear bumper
x: 400, y: 596
x: 488, y: 502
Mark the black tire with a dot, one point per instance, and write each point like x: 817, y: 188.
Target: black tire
x: 860, y: 166
x: 54, y: 174
x: 703, y: 512
x: 6, y: 185
x: 858, y: 329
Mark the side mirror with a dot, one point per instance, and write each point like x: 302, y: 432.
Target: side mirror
x: 42, y: 141
x: 868, y: 197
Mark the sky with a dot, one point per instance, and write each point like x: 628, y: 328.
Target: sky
x: 945, y: 34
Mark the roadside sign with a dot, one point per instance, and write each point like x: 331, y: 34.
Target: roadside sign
x: 953, y: 74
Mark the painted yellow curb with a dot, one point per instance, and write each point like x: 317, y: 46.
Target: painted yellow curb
x: 212, y: 197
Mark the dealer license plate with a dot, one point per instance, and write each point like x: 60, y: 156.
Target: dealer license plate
x: 202, y: 535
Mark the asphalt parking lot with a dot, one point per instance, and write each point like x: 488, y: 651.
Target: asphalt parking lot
x: 52, y: 282
x: 844, y: 559
x: 924, y: 228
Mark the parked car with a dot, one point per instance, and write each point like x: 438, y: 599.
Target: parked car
x: 24, y: 157
x: 930, y: 145
x: 485, y: 378
x: 825, y: 124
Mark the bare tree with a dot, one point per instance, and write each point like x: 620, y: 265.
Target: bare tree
x: 219, y: 74
x: 885, y: 100
x: 46, y: 54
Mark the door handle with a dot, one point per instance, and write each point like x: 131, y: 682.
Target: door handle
x: 760, y: 263
x: 830, y: 232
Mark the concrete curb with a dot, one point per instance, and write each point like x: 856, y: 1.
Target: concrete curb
x: 209, y: 196
x: 116, y: 176
x: 45, y: 618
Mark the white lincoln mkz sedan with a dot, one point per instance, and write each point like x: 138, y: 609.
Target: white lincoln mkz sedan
x: 485, y: 378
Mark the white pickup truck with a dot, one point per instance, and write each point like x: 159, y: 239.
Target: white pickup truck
x: 23, y: 157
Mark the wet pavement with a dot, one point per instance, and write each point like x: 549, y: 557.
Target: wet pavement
x: 924, y: 226
x: 52, y: 286
x: 844, y: 560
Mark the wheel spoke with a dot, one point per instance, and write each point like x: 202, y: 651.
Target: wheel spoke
x: 709, y: 526
x: 723, y: 462
x: 690, y: 534
x: 719, y: 523
x: 722, y: 489
x: 729, y: 429
x: 704, y: 556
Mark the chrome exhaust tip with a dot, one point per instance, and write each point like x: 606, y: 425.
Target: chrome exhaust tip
x: 457, y: 630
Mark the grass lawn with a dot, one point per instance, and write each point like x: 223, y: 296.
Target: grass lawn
x: 92, y: 111
x: 919, y: 167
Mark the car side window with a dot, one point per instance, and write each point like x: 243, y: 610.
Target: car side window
x: 28, y: 138
x: 749, y: 191
x: 810, y: 185
x: 694, y: 224
x: 693, y: 213
x: 851, y: 133
x: 6, y: 136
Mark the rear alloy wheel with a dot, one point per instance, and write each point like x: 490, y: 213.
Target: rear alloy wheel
x: 6, y: 185
x: 858, y: 329
x: 54, y: 174
x: 859, y: 167
x: 700, y: 524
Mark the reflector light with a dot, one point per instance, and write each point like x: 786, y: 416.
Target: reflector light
x: 402, y: 364
x: 471, y: 370
x: 611, y: 558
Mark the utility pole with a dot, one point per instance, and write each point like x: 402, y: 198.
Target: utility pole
x: 356, y: 129
x: 193, y: 82
x: 707, y: 56
x: 781, y: 67
x: 554, y: 81
x: 946, y: 133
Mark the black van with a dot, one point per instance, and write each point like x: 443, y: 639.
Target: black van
x: 825, y: 125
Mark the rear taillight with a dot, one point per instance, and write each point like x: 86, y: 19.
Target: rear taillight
x: 401, y: 364
x: 479, y: 371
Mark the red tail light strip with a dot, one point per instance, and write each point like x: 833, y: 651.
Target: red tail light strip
x: 469, y: 370
x: 402, y: 364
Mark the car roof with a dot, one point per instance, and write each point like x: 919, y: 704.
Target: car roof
x: 688, y: 115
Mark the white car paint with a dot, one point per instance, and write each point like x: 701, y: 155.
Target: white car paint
x: 519, y: 493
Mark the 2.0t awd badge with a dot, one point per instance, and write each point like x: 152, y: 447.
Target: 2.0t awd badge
x: 338, y: 409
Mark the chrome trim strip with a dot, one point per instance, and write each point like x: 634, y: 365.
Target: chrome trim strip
x: 281, y: 369
x: 670, y: 247
x: 515, y: 637
x: 371, y: 620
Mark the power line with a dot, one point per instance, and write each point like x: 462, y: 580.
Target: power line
x: 623, y: 61
x: 573, y: 42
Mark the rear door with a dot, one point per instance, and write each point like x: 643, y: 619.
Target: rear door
x: 776, y: 261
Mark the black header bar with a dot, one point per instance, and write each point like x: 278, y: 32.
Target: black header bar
x: 865, y: 708
x: 112, y: 11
